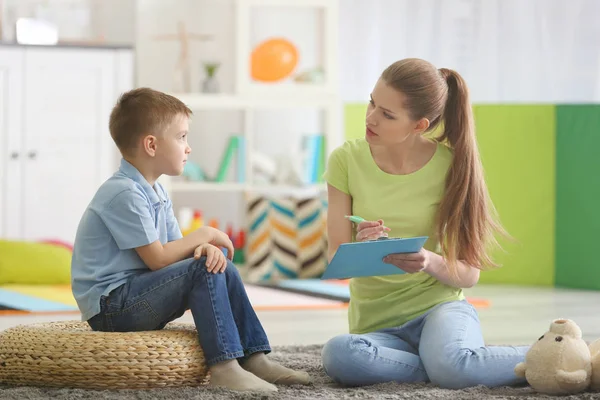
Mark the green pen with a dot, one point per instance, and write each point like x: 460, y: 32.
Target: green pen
x: 355, y: 218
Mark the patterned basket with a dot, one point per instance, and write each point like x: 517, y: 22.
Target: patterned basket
x: 70, y: 354
x: 287, y: 238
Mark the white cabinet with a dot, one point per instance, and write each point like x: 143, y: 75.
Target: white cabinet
x: 56, y: 147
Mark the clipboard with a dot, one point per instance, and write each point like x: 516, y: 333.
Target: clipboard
x: 366, y: 258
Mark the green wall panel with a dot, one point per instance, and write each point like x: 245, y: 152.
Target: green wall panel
x: 354, y: 120
x: 517, y: 144
x: 578, y: 196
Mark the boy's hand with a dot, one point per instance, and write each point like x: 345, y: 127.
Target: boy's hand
x: 219, y: 239
x: 216, y: 262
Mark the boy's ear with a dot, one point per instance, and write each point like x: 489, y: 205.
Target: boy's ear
x: 149, y: 145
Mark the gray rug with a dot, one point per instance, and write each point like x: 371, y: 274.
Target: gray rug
x: 306, y: 358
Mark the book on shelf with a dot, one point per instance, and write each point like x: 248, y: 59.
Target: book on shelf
x: 314, y: 156
x: 236, y: 147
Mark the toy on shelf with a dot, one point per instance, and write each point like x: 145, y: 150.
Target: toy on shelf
x: 273, y: 60
x: 239, y: 243
x: 182, y: 81
x: 196, y: 223
x: 315, y: 75
x: 193, y: 171
x: 234, y: 146
x: 235, y: 150
x: 193, y: 219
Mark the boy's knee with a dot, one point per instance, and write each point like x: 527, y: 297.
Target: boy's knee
x: 199, y: 266
x: 231, y: 270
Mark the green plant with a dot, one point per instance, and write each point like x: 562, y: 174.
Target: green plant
x: 211, y: 69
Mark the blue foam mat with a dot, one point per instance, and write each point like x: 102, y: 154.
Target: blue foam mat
x: 18, y: 301
x: 316, y: 287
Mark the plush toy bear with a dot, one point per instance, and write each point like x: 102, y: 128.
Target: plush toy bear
x: 559, y: 362
x: 595, y: 352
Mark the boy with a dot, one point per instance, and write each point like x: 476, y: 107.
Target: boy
x: 132, y: 270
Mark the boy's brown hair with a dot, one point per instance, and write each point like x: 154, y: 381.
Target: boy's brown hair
x: 143, y: 111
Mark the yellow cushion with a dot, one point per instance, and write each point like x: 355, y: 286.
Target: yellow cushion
x: 32, y: 263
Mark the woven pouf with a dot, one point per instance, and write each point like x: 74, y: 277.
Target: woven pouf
x: 70, y: 354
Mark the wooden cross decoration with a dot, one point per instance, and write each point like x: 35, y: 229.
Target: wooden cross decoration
x: 182, y: 79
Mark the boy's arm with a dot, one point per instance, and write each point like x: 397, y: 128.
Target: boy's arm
x: 156, y: 255
x: 129, y: 219
x: 173, y: 229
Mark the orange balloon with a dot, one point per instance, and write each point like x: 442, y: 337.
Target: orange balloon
x: 273, y: 60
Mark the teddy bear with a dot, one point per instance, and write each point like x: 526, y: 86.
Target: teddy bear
x: 595, y: 353
x: 559, y: 362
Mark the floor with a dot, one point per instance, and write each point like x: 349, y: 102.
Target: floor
x: 517, y: 315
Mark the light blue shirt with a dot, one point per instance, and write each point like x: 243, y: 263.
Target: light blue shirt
x: 125, y: 213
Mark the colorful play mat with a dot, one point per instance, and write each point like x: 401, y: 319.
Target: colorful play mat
x: 294, y: 294
x: 44, y: 299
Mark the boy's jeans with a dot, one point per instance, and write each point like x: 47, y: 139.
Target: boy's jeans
x: 444, y: 346
x: 227, y: 326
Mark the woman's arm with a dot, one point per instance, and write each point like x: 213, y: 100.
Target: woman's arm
x: 435, y: 265
x: 339, y: 229
x: 466, y: 276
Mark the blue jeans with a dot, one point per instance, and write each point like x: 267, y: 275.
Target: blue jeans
x: 444, y: 346
x: 227, y: 325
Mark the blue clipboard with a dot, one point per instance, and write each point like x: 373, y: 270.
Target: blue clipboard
x: 366, y: 258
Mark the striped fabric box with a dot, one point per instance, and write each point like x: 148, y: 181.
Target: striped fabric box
x: 286, y: 239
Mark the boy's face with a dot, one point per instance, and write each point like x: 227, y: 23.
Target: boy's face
x: 172, y: 148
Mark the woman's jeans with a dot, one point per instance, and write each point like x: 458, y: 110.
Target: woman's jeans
x: 227, y: 325
x: 444, y: 346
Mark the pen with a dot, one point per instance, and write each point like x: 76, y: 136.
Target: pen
x: 355, y: 218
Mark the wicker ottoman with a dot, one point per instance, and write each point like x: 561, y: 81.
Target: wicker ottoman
x: 70, y: 354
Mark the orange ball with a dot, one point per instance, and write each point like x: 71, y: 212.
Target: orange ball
x: 273, y: 60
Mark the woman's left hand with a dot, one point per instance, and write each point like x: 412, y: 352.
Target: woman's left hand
x: 410, y: 262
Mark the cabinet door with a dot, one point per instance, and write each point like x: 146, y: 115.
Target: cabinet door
x: 69, y: 95
x: 11, y: 108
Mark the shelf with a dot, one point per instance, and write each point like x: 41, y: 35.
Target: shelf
x: 185, y: 186
x: 291, y: 3
x: 283, y: 99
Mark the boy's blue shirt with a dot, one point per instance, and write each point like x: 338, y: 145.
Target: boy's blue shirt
x: 125, y: 213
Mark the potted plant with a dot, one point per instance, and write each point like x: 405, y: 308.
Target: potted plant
x: 210, y: 83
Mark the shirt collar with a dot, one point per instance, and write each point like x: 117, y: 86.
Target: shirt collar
x: 133, y: 173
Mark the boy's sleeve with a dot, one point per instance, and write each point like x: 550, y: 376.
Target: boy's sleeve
x: 129, y: 220
x: 173, y: 230
x: 336, y: 173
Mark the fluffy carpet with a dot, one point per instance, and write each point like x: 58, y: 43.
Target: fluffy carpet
x: 300, y: 357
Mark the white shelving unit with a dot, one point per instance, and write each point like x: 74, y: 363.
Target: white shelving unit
x: 251, y: 96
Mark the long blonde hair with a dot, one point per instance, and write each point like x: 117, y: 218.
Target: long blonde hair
x: 466, y: 219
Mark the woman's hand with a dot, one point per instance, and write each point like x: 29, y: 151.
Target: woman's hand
x: 216, y: 262
x: 371, y: 230
x: 410, y: 262
x: 219, y: 239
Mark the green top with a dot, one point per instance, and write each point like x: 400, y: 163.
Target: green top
x: 407, y: 204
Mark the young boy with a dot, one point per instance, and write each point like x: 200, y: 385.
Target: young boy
x: 132, y: 270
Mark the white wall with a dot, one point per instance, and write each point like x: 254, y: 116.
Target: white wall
x: 509, y: 51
